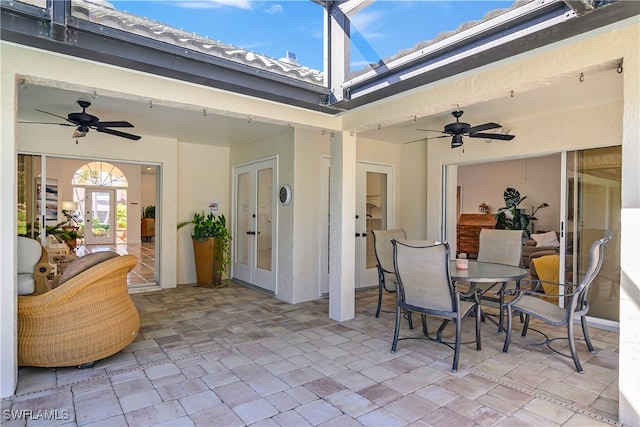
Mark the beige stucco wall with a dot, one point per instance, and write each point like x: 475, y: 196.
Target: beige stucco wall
x: 203, y: 177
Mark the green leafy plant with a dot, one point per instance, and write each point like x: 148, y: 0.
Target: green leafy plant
x: 511, y: 216
x: 149, y: 212
x: 206, y: 226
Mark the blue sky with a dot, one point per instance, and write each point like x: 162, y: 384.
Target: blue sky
x: 273, y: 27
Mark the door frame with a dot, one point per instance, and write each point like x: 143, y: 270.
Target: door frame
x: 323, y: 231
x: 257, y: 277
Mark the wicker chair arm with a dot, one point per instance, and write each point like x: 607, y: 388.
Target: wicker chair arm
x: 41, y: 274
x: 67, y: 291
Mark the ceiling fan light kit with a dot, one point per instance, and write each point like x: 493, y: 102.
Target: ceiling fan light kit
x: 459, y: 129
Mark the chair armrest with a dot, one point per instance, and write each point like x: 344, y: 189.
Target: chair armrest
x: 535, y: 290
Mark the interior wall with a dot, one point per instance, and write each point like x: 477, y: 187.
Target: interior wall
x: 413, y: 175
x: 63, y: 171
x: 538, y: 178
x: 148, y: 189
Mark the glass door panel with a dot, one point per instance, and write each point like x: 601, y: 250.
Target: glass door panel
x: 243, y: 219
x: 264, y: 233
x: 99, y: 217
x: 593, y: 210
x: 374, y: 186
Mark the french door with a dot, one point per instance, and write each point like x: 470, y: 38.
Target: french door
x: 374, y: 211
x: 99, y: 210
x: 255, y: 224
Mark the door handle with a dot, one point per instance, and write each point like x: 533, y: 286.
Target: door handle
x: 357, y: 234
x: 364, y: 234
x: 251, y: 233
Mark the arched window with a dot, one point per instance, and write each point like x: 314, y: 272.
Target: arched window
x: 100, y: 188
x: 102, y: 174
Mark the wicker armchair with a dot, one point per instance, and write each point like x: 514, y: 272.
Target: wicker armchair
x: 88, y: 318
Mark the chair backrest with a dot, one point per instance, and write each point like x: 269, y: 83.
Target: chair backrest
x: 500, y: 246
x: 423, y: 276
x: 384, y: 249
x: 596, y: 257
x: 29, y: 253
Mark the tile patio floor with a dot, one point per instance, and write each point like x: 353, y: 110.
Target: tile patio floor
x: 234, y: 356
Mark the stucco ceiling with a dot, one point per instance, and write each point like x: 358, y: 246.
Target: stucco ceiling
x: 191, y: 124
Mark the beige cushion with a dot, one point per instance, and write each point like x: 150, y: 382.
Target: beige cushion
x: 84, y: 263
x: 548, y: 239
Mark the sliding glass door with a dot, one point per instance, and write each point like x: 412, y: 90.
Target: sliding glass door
x: 593, y: 206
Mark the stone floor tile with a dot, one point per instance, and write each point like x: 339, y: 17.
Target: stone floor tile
x: 411, y: 408
x: 97, y: 409
x: 564, y: 391
x: 255, y: 410
x: 318, y: 411
x: 216, y: 415
x: 580, y: 420
x: 531, y: 418
x: 407, y: 383
x: 137, y: 385
x: 353, y: 380
x: 161, y: 370
x: 142, y: 399
x: 324, y: 386
x: 117, y: 421
x: 300, y: 376
x: 381, y: 417
x: 351, y: 403
x: 447, y: 417
x: 302, y: 395
x: 171, y: 392
x: 236, y: 393
x: 437, y: 394
x: 199, y: 401
x: 548, y: 410
x: 379, y: 394
x: 282, y: 401
x: 290, y: 419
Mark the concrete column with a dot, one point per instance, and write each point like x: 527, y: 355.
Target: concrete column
x: 628, y: 385
x: 8, y: 272
x: 342, y: 247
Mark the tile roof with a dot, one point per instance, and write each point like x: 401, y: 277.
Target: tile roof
x: 103, y: 13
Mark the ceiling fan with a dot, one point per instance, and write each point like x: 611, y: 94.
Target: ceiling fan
x: 84, y: 121
x: 457, y: 129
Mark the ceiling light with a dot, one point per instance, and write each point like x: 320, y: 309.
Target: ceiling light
x: 80, y: 132
x: 456, y: 141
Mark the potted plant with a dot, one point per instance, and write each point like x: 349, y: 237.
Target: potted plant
x: 211, y: 247
x: 66, y: 234
x: 511, y: 216
x: 148, y: 223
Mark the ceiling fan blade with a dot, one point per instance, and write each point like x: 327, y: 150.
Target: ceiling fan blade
x: 430, y: 130
x: 45, y: 123
x: 118, y: 133
x: 54, y: 115
x: 120, y: 124
x: 480, y: 128
x: 492, y: 136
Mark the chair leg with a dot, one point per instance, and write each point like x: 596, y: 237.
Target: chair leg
x: 572, y: 347
x: 478, y: 311
x: 456, y: 351
x: 396, y: 333
x: 585, y: 331
x: 507, y: 338
x: 425, y: 330
x: 525, y: 327
x: 379, y: 296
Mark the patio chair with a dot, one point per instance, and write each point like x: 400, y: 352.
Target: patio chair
x: 424, y: 286
x: 532, y: 303
x: 500, y: 247
x: 87, y: 317
x: 384, y: 258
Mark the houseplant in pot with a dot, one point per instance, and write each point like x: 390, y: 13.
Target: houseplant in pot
x: 511, y: 216
x: 211, y: 247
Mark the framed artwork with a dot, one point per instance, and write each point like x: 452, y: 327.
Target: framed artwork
x: 51, y: 199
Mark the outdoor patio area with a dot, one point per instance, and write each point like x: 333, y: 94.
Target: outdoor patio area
x: 234, y: 356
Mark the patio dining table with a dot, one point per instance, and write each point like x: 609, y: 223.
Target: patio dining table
x: 489, y: 272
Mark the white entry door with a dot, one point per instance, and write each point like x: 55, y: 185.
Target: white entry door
x: 99, y: 212
x: 374, y: 196
x: 374, y: 211
x: 255, y: 224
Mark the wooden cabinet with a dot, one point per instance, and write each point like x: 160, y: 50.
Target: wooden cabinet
x: 147, y: 229
x: 468, y: 232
